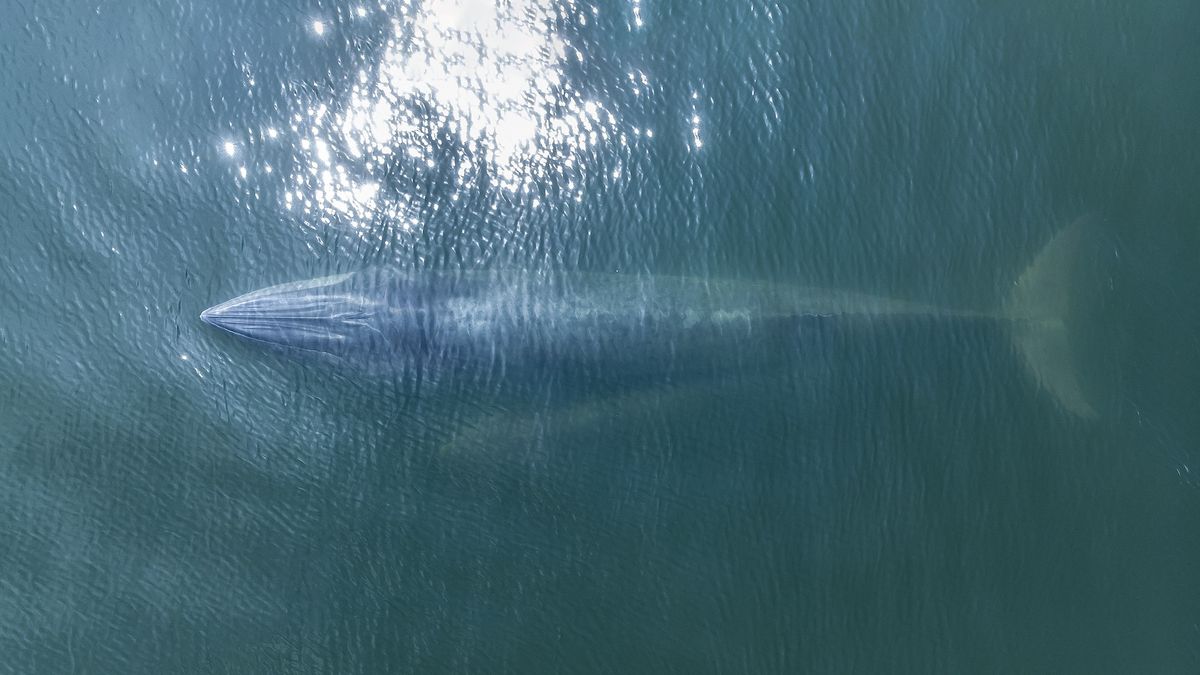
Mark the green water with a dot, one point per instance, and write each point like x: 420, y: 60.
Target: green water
x: 888, y: 496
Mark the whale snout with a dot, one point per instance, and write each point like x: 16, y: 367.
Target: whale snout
x: 320, y: 315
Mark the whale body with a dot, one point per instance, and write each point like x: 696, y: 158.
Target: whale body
x: 387, y: 318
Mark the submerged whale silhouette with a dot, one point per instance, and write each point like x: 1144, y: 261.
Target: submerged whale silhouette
x: 386, y: 317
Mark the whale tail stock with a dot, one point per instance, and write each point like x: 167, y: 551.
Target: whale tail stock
x: 1040, y: 308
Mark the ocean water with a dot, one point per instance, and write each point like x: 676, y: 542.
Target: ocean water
x: 894, y: 495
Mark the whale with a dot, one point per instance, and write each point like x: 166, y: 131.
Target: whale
x: 388, y: 318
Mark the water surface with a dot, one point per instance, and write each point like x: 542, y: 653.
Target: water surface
x: 896, y: 496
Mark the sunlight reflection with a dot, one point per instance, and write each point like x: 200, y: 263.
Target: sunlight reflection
x: 475, y: 87
x: 697, y: 141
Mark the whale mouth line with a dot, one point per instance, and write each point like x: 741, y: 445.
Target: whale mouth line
x: 252, y: 322
x: 215, y: 317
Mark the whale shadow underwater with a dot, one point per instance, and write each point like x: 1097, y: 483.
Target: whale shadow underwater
x: 495, y: 325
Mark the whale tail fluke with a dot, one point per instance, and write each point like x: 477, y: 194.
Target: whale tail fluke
x: 1039, y: 307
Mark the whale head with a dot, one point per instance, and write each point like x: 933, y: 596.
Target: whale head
x: 334, y: 315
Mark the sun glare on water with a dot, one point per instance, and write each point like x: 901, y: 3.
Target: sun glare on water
x: 468, y: 88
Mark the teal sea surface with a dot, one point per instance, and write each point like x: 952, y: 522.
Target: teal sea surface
x: 1008, y: 482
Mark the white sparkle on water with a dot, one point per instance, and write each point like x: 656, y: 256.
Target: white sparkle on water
x: 490, y: 74
x: 463, y: 88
